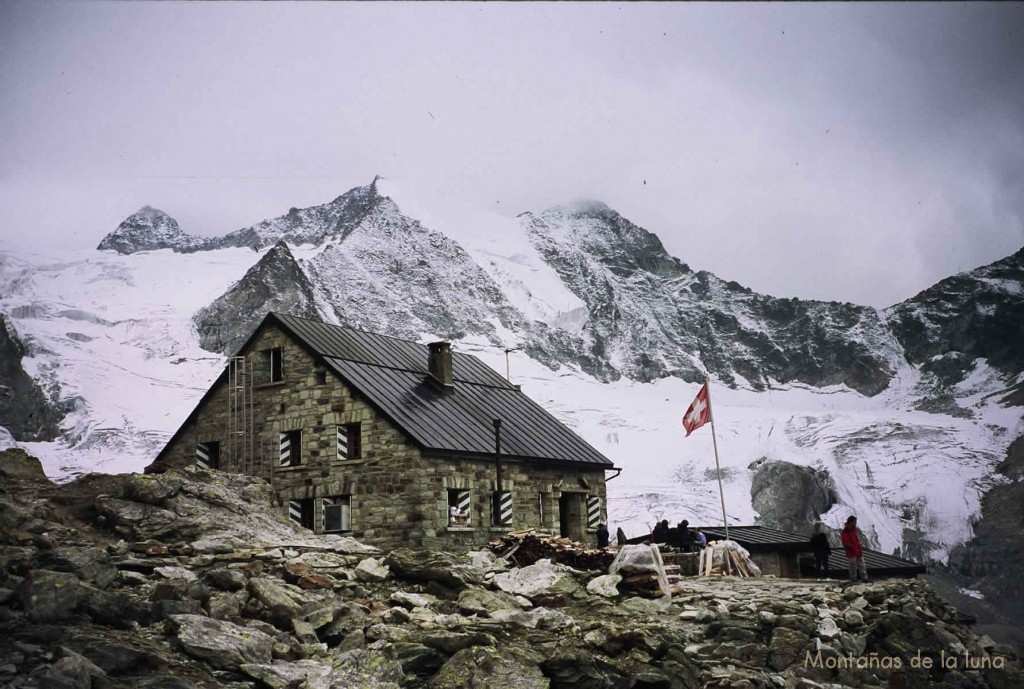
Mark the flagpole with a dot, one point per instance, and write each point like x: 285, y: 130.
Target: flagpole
x: 718, y: 468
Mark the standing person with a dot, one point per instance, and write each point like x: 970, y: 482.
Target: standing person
x: 602, y: 536
x: 821, y: 548
x: 854, y: 551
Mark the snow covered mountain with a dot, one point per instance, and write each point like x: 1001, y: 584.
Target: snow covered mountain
x: 652, y: 316
x: 822, y: 409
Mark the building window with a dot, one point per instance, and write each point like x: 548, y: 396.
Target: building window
x: 301, y: 512
x: 208, y: 455
x: 350, y: 441
x: 337, y: 514
x: 458, y: 507
x: 320, y: 375
x: 291, y: 449
x: 593, y: 511
x: 273, y: 364
x: 501, y: 509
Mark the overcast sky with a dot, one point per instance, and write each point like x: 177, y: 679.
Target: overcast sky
x: 856, y: 152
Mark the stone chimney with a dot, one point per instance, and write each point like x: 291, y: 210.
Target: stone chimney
x: 440, y: 363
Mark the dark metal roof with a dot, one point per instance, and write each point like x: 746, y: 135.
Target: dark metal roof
x: 392, y: 375
x: 380, y: 350
x: 760, y: 539
x: 878, y: 564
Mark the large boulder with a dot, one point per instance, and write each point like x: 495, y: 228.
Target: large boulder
x: 373, y: 667
x: 790, y: 497
x: 486, y: 666
x: 305, y: 673
x: 49, y: 596
x: 88, y: 564
x: 447, y: 569
x: 17, y: 464
x: 139, y: 520
x: 577, y: 669
x: 546, y: 581
x: 484, y: 602
x: 371, y: 570
x: 221, y: 644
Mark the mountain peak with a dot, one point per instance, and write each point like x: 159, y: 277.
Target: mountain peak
x: 274, y: 283
x: 585, y: 207
x: 147, y: 229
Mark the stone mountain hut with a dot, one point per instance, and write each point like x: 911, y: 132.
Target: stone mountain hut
x: 390, y: 441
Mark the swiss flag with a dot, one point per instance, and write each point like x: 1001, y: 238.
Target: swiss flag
x: 698, y: 413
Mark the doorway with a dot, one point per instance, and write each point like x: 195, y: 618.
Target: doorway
x: 570, y: 515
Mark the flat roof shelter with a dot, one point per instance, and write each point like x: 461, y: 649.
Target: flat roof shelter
x: 786, y: 554
x: 789, y: 555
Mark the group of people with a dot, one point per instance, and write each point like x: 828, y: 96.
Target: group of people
x: 682, y: 538
x: 688, y: 540
x: 851, y: 548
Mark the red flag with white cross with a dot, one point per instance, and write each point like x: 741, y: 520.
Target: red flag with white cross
x: 698, y: 413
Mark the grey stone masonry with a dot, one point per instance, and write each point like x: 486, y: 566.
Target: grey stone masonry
x: 394, y: 494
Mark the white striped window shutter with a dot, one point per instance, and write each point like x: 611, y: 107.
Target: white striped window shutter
x: 286, y: 449
x: 593, y: 511
x: 505, y: 508
x: 291, y: 448
x: 295, y: 511
x: 342, y: 443
x: 202, y: 456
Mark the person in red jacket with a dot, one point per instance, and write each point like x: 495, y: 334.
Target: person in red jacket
x: 854, y: 551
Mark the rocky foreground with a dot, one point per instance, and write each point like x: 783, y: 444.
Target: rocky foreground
x: 191, y: 580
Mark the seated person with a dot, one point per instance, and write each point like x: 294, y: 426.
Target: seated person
x: 456, y: 516
x: 683, y: 536
x: 660, y: 533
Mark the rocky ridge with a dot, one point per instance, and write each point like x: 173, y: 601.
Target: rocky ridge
x: 946, y: 329
x: 648, y: 314
x: 275, y: 283
x: 192, y: 580
x: 652, y: 316
x: 27, y: 411
x: 981, y: 563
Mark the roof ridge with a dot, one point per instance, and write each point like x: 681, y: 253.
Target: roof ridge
x: 279, y: 314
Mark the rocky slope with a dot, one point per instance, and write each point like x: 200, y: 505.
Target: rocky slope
x: 984, y: 562
x: 28, y: 413
x: 190, y: 580
x: 948, y: 327
x: 274, y: 283
x: 652, y: 316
